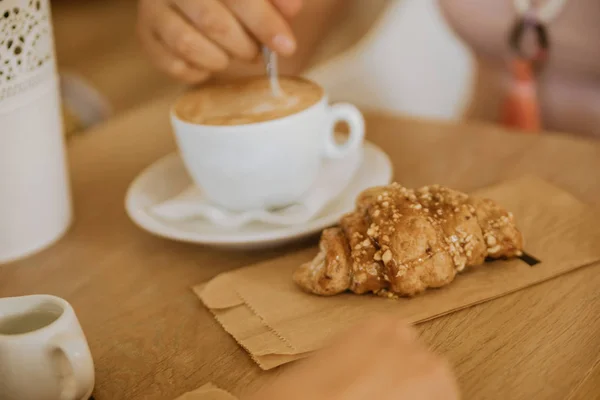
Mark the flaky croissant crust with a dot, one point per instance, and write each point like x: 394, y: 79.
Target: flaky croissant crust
x: 401, y: 241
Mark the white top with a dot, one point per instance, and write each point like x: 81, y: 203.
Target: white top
x: 546, y: 12
x: 397, y: 56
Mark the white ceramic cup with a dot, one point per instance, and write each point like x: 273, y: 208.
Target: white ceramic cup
x: 267, y: 164
x: 43, y: 352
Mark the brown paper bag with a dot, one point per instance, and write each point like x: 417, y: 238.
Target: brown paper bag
x: 207, y: 392
x: 276, y: 322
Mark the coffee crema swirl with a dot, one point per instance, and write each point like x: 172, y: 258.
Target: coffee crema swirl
x: 246, y: 101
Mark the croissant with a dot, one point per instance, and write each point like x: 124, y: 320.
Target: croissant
x: 399, y: 242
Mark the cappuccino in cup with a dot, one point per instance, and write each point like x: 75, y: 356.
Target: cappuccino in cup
x: 246, y: 102
x: 248, y: 149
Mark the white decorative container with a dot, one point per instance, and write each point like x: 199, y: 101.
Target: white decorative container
x: 35, y: 201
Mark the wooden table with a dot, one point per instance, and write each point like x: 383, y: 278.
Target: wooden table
x: 152, y: 339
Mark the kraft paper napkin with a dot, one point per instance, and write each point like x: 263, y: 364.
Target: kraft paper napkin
x: 277, y: 323
x: 207, y: 392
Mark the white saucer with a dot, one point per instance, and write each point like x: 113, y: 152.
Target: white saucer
x: 167, y: 177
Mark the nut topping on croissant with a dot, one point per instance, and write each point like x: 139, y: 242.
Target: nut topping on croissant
x: 401, y: 241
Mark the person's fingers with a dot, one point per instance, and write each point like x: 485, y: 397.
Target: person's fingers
x: 405, y: 332
x: 430, y: 375
x: 186, y: 42
x: 379, y: 358
x: 168, y: 62
x: 289, y: 8
x: 266, y: 23
x: 217, y: 23
x: 373, y: 336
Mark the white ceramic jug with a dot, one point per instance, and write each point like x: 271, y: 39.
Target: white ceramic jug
x: 35, y: 204
x: 43, y: 352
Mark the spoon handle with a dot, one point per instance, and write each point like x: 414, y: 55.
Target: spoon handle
x: 270, y: 59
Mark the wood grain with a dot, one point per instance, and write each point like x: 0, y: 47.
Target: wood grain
x: 151, y: 338
x: 588, y: 388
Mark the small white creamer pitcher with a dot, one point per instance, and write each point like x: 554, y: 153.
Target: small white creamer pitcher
x: 43, y: 351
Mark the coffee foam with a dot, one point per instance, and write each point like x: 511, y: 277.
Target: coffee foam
x: 247, y: 101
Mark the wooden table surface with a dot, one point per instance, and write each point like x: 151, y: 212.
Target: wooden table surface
x: 152, y: 339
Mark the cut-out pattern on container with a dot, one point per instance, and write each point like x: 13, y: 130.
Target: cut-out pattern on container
x: 26, y: 48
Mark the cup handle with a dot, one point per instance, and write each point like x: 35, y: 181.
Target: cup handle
x: 344, y: 112
x: 76, y: 380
